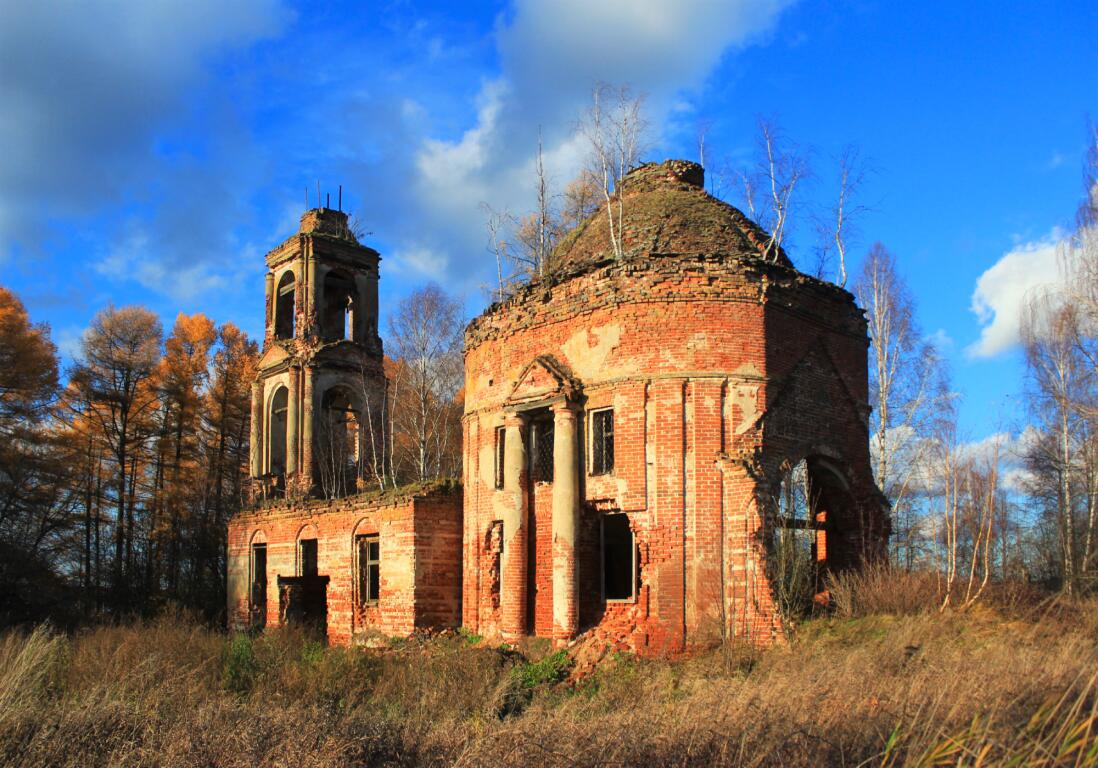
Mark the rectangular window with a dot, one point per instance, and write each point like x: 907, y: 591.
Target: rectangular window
x: 541, y: 454
x: 369, y: 569
x: 307, y: 557
x: 602, y: 442
x: 501, y: 447
x: 619, y: 558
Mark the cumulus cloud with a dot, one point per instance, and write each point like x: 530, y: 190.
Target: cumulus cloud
x: 551, y: 56
x: 126, y: 117
x: 88, y: 92
x: 1010, y: 449
x: 1001, y: 291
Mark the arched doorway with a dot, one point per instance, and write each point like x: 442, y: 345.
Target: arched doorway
x: 809, y: 523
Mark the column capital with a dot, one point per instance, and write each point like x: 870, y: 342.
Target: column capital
x: 514, y: 419
x: 564, y: 409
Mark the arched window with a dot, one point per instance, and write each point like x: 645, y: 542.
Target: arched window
x: 338, y: 443
x: 307, y: 551
x: 338, y: 319
x: 284, y: 306
x: 276, y: 433
x: 257, y: 581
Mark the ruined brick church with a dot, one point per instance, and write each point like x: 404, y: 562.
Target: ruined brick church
x: 648, y: 439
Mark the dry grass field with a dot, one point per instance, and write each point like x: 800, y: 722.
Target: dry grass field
x: 885, y: 680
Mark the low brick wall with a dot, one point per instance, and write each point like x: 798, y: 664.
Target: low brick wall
x: 419, y: 534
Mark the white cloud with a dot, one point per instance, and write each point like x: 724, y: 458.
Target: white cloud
x: 551, y: 55
x: 68, y: 341
x: 85, y: 89
x: 1001, y: 291
x: 1011, y: 451
x: 941, y: 340
x: 423, y: 260
x: 131, y: 257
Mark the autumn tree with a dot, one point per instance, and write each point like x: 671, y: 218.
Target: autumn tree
x: 182, y: 375
x: 579, y: 200
x: 28, y: 366
x: 225, y: 426
x: 118, y: 358
x: 839, y: 223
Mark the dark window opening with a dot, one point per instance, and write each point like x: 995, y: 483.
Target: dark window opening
x: 602, y: 442
x: 501, y: 440
x: 619, y: 558
x: 494, y: 547
x: 284, y: 307
x: 541, y: 455
x: 337, y: 321
x: 308, y: 557
x: 257, y: 598
x: 369, y: 569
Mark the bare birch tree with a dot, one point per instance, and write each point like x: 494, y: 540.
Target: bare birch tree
x: 841, y: 222
x: 425, y: 334
x: 768, y: 187
x: 1058, y: 379
x: 616, y: 131
x: 969, y: 497
x: 907, y: 385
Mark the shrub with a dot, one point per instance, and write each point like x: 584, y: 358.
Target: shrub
x: 880, y: 589
x: 552, y: 669
x: 239, y: 667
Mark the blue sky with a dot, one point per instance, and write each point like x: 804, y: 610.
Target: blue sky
x: 153, y: 152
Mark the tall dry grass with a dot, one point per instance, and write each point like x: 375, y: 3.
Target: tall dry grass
x: 904, y: 688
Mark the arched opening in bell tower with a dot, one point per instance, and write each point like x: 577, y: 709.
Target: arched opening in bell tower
x: 338, y: 319
x: 285, y: 306
x: 276, y: 433
x: 338, y: 443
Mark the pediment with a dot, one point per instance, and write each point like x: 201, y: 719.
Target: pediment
x: 813, y: 380
x: 272, y: 357
x: 543, y: 378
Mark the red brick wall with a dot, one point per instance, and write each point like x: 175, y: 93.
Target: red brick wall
x: 719, y: 372
x: 438, y: 532
x: 420, y: 541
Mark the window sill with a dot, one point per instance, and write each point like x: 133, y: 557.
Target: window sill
x: 620, y: 600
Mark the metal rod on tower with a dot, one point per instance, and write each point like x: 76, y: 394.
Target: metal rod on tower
x: 327, y: 199
x: 340, y: 198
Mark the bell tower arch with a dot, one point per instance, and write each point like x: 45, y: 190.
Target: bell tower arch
x: 321, y: 334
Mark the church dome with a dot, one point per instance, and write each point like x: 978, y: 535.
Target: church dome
x: 668, y: 213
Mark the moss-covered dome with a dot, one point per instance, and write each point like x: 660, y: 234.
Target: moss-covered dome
x: 667, y: 212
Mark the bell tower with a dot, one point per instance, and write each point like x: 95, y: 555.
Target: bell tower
x: 317, y: 400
